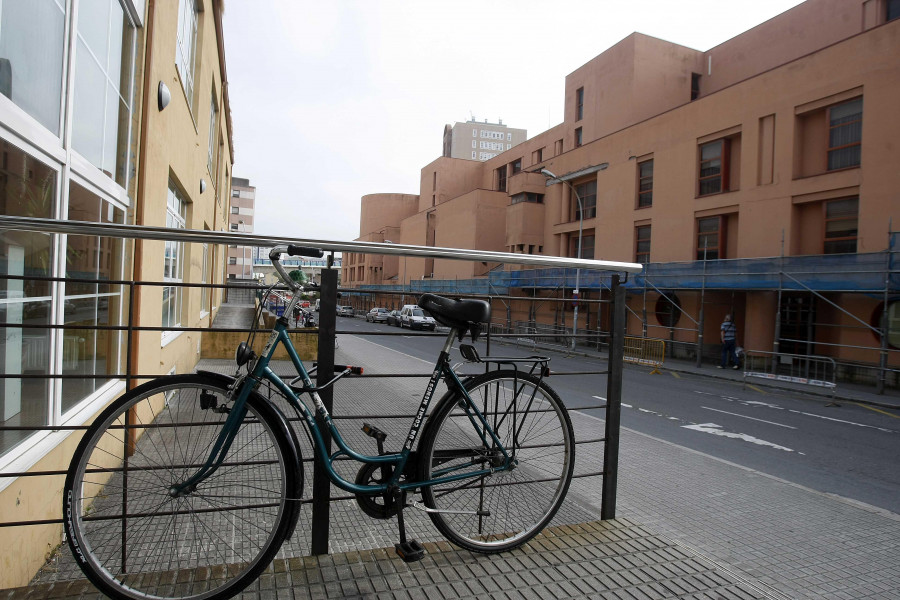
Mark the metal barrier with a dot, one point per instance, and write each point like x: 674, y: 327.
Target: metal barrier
x: 321, y: 487
x: 645, y: 351
x: 800, y: 369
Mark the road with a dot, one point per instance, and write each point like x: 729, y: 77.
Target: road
x: 848, y: 449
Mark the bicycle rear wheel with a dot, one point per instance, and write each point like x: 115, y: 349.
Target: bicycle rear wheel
x: 133, y: 539
x: 504, y: 509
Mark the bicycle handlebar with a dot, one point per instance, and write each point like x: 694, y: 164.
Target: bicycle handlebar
x: 291, y: 250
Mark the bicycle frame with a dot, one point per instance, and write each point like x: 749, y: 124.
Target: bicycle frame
x: 260, y: 372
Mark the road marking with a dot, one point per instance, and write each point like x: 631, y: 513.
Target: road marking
x: 746, y: 417
x: 714, y: 429
x: 604, y: 399
x: 675, y: 375
x: 756, y: 389
x: 704, y: 393
x: 843, y: 421
x: 878, y: 410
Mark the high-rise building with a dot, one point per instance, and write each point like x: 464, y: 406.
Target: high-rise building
x: 480, y: 141
x: 243, y: 202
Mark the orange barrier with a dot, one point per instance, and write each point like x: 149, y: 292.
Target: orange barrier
x: 645, y: 351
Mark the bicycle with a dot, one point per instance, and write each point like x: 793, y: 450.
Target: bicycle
x: 187, y: 485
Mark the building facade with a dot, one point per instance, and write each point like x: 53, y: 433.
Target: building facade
x: 112, y: 111
x: 756, y: 179
x: 480, y: 141
x: 243, y: 205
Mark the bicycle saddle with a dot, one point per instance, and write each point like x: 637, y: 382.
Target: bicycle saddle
x: 462, y: 315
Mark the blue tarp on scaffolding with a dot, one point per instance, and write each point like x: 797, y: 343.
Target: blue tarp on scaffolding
x: 824, y: 273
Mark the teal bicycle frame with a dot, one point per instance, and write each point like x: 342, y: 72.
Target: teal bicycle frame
x: 260, y: 371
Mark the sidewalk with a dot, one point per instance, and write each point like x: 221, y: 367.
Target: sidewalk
x: 688, y: 526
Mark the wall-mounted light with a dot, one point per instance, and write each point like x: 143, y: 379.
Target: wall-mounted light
x: 163, y: 96
x: 202, y: 185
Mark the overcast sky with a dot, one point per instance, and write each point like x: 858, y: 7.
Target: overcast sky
x: 333, y: 100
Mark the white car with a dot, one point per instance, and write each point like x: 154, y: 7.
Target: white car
x: 414, y: 317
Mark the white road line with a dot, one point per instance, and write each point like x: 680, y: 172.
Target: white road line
x: 602, y: 398
x: 843, y: 421
x: 714, y: 429
x: 746, y: 417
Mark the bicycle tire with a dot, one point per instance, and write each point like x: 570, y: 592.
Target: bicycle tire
x: 209, y: 544
x: 520, y: 501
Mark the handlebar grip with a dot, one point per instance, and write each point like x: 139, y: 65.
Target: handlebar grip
x: 305, y: 251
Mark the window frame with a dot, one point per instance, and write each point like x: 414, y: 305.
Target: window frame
x: 590, y: 209
x: 638, y: 254
x: 501, y: 178
x: 212, y: 152
x: 173, y: 264
x: 579, y: 103
x: 579, y: 137
x: 51, y: 144
x: 838, y: 240
x: 722, y: 175
x: 720, y: 238
x: 187, y: 72
x: 644, y: 196
x: 839, y: 150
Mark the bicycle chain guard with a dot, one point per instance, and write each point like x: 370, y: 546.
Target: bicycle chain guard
x: 382, y: 506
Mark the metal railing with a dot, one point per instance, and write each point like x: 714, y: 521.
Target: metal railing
x: 799, y: 369
x: 322, y: 494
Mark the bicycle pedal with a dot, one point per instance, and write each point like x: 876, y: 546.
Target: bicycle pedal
x: 374, y: 432
x: 410, y: 551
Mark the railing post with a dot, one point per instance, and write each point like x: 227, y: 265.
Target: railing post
x: 613, y: 402
x: 321, y: 482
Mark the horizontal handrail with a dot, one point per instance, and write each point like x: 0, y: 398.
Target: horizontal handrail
x: 146, y: 232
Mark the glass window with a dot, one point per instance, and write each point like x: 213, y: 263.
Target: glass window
x: 185, y: 45
x: 579, y: 104
x: 204, y: 278
x: 645, y: 184
x: 578, y: 138
x: 709, y: 239
x: 642, y: 244
x: 845, y: 135
x: 893, y: 10
x: 88, y: 301
x: 893, y: 324
x: 841, y: 224
x: 31, y: 68
x: 501, y: 179
x: 713, y: 175
x: 527, y: 197
x: 588, y: 194
x: 27, y: 189
x: 102, y: 109
x: 173, y: 261
x: 587, y: 246
x: 516, y: 166
x: 213, y: 145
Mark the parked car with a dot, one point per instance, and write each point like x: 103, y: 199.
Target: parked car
x: 345, y: 311
x: 377, y: 315
x: 393, y: 318
x: 414, y: 317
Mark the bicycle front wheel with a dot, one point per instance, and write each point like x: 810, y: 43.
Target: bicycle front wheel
x: 503, y: 509
x: 134, y: 537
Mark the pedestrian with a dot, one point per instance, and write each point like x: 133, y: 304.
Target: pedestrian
x: 729, y: 341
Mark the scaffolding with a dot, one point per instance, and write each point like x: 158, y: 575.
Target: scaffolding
x: 823, y: 305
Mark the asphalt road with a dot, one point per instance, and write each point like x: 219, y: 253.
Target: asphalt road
x: 848, y: 449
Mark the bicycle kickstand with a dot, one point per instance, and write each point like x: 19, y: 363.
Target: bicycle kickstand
x: 408, y: 550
